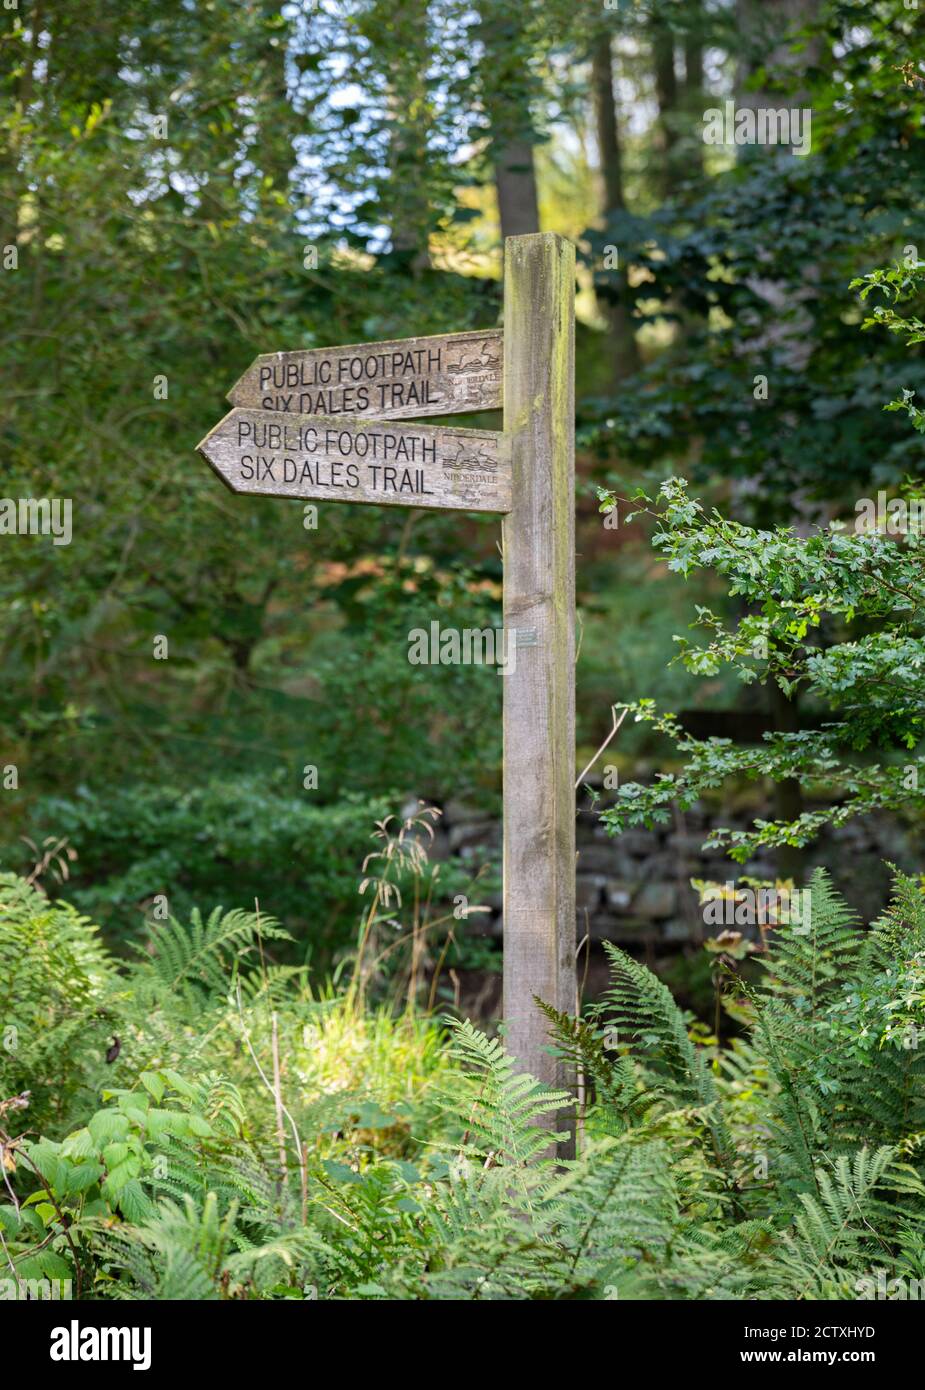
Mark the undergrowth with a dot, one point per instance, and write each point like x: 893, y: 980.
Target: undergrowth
x: 202, y: 1123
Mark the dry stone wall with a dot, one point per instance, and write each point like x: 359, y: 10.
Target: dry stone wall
x: 635, y: 888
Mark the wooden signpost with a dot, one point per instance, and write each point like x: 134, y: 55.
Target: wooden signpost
x: 274, y: 455
x: 314, y: 424
x: 405, y: 378
x: 538, y: 541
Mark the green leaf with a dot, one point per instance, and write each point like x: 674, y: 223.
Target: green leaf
x: 153, y: 1082
x: 106, y: 1125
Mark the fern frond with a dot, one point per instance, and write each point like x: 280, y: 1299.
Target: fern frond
x: 620, y: 1099
x: 504, y: 1109
x: 808, y: 960
x: 642, y: 1010
x: 199, y: 961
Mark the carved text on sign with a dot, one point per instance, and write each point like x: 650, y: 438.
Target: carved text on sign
x: 409, y: 377
x: 412, y: 465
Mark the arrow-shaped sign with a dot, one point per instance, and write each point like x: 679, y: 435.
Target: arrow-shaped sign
x: 408, y: 465
x: 402, y: 379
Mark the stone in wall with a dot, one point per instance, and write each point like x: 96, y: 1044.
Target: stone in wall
x: 635, y: 889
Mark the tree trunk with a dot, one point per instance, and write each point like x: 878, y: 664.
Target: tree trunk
x: 409, y: 220
x: 608, y: 135
x: 624, y: 354
x: 506, y: 90
x: 693, y: 93
x: 767, y: 28
x: 515, y: 184
x: 666, y: 91
x: 407, y: 195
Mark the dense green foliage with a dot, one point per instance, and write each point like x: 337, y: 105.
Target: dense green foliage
x: 868, y: 590
x: 206, y: 699
x: 754, y: 262
x: 190, y: 846
x: 789, y: 1165
x: 189, y: 184
x: 834, y: 619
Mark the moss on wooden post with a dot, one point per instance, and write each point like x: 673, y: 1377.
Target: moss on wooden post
x: 539, y: 602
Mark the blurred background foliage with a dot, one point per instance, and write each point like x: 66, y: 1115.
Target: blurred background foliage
x: 191, y: 183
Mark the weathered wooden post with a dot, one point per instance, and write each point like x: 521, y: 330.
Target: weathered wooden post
x: 539, y: 602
